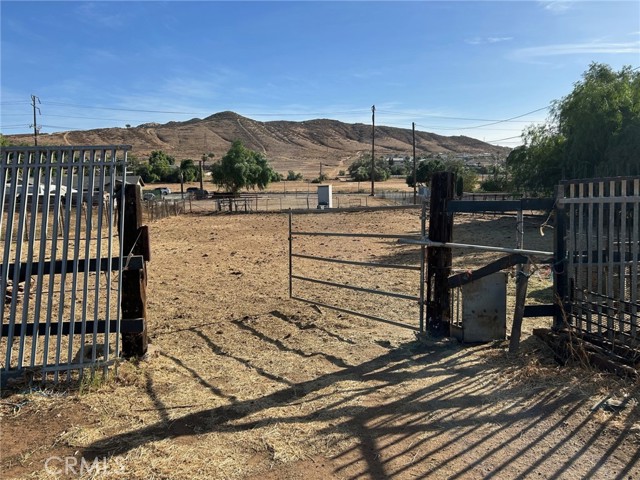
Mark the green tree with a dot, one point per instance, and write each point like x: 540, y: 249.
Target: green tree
x: 292, y: 176
x: 425, y: 170
x: 600, y: 119
x: 360, y: 170
x: 190, y: 171
x: 427, y: 167
x: 242, y: 168
x: 536, y: 166
x: 497, y: 180
x: 593, y: 131
x: 158, y: 168
x: 467, y: 175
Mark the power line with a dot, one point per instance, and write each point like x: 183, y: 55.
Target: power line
x: 495, y: 122
x: 65, y: 128
x: 427, y: 115
x: 442, y: 127
x: 94, y: 107
x: 120, y: 109
x: 85, y: 118
x: 503, y: 139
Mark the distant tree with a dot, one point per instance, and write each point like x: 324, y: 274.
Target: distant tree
x: 292, y: 176
x: 128, y: 125
x: 4, y: 141
x: 496, y: 181
x: 323, y: 177
x: 465, y: 174
x: 242, y: 168
x: 189, y: 170
x: 159, y: 168
x: 426, y: 168
x: 360, y: 170
x: 146, y: 173
x: 401, y: 168
x: 536, y: 166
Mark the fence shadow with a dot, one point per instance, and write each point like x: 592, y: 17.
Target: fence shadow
x: 418, y: 410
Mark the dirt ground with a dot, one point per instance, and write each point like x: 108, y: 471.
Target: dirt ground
x: 243, y: 382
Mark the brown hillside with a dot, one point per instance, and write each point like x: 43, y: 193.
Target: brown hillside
x: 299, y: 146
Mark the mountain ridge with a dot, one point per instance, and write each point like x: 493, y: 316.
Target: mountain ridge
x: 289, y: 145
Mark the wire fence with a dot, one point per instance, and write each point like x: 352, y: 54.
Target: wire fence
x: 296, y: 200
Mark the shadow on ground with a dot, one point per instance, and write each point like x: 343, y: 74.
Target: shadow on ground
x: 420, y: 410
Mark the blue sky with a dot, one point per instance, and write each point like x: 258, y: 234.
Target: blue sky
x: 450, y: 67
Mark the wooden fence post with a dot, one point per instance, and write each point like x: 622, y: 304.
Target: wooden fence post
x: 439, y: 258
x: 522, y: 282
x: 134, y: 282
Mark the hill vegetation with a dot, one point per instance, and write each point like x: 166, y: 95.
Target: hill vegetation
x: 296, y: 146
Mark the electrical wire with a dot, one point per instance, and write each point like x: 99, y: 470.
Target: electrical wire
x: 503, y: 139
x: 493, y: 123
x: 200, y: 113
x: 118, y: 109
x: 427, y: 115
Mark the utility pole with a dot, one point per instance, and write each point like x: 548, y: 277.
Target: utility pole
x: 413, y: 129
x: 321, y: 165
x: 202, y: 172
x: 373, y: 148
x: 35, y: 125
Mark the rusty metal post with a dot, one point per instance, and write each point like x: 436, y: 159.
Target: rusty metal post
x: 134, y: 281
x: 439, y: 259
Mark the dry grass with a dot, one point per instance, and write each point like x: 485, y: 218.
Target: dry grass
x: 242, y: 382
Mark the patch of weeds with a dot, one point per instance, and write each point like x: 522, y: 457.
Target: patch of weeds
x: 92, y: 381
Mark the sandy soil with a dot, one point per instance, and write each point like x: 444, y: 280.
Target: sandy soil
x: 243, y: 382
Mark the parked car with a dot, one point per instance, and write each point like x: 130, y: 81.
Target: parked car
x: 149, y: 196
x: 197, y: 193
x: 164, y: 190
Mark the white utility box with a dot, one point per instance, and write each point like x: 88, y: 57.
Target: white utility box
x: 484, y: 310
x: 325, y: 197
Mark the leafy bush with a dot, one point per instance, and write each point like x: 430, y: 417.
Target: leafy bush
x: 360, y: 170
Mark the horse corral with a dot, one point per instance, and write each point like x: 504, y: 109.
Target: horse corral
x: 242, y: 382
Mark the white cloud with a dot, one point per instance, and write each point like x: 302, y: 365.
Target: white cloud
x: 577, y: 49
x: 498, y: 39
x: 557, y: 6
x: 485, y: 40
x: 97, y: 14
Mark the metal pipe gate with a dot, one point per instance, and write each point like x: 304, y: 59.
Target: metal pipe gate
x: 419, y: 299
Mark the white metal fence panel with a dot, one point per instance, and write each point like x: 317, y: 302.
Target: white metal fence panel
x: 60, y: 270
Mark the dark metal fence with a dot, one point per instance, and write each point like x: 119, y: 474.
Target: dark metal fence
x: 602, y: 254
